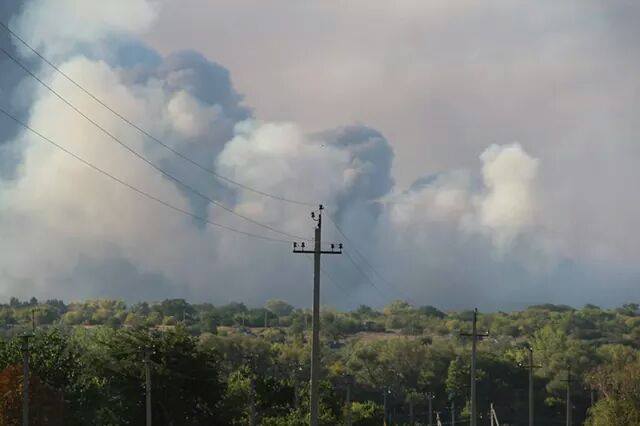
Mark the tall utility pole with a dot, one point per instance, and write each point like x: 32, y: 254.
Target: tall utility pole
x: 411, y: 417
x: 33, y: 319
x: 475, y: 336
x: 384, y: 407
x: 348, y: 401
x: 531, y: 367
x: 252, y: 402
x: 147, y: 386
x: 315, y: 324
x: 25, y: 378
x: 430, y: 409
x: 453, y: 412
x: 569, y: 381
x: 531, y: 400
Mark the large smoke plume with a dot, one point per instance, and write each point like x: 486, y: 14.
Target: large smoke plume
x: 496, y: 232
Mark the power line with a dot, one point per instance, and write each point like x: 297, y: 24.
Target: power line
x: 359, y: 254
x: 137, y: 190
x: 148, y: 134
x: 145, y: 159
x: 334, y: 281
x: 359, y: 269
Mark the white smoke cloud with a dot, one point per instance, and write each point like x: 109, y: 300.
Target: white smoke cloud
x: 502, y: 205
x: 508, y: 207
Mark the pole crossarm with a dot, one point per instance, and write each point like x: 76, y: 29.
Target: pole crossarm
x: 321, y: 251
x: 304, y: 251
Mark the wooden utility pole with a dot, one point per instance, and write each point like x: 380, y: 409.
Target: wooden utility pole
x: 430, y: 409
x: 252, y: 401
x: 453, y: 412
x: 348, y: 401
x: 411, y: 418
x: 147, y: 386
x: 384, y: 407
x: 25, y: 378
x: 531, y: 366
x: 475, y: 336
x: 569, y: 381
x: 315, y: 324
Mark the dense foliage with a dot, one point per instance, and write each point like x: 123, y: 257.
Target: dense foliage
x: 230, y: 364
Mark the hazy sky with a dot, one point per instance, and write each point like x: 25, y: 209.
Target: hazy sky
x: 475, y: 152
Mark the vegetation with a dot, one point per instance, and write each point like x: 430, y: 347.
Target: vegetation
x: 224, y: 364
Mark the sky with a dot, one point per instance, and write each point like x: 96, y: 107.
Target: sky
x: 468, y: 154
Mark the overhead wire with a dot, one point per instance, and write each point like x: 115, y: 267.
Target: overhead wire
x: 361, y: 271
x: 333, y: 281
x: 137, y: 190
x: 145, y: 159
x: 147, y: 133
x: 354, y: 247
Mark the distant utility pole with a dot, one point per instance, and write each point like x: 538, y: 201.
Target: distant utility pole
x: 453, y: 412
x: 384, y: 407
x: 25, y: 378
x: 147, y: 386
x: 531, y: 367
x: 569, y: 381
x: 252, y: 402
x: 430, y: 409
x: 411, y: 417
x: 33, y: 319
x: 475, y: 336
x: 315, y: 324
x: 349, y: 380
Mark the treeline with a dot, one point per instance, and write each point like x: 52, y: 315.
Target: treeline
x: 229, y: 364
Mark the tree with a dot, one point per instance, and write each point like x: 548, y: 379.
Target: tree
x: 46, y: 404
x: 186, y: 384
x: 618, y: 381
x: 457, y: 380
x: 279, y: 307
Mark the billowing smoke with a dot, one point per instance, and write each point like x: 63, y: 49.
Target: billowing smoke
x: 73, y: 233
x: 508, y: 207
